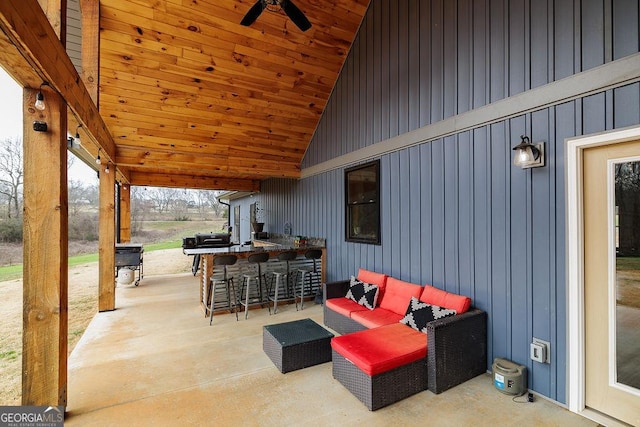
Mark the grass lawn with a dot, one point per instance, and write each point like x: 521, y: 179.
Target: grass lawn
x: 173, y: 232
x: 628, y: 281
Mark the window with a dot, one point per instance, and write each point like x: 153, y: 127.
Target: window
x: 362, y: 190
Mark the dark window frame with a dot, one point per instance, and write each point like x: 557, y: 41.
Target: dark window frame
x: 360, y: 200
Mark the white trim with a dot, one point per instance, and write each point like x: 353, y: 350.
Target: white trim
x: 575, y: 259
x: 613, y: 74
x: 602, y: 419
x: 611, y: 271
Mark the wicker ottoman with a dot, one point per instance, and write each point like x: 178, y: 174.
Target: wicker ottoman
x: 296, y: 345
x: 383, y: 365
x: 383, y: 389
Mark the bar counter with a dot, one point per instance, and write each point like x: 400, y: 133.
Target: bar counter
x: 273, y: 248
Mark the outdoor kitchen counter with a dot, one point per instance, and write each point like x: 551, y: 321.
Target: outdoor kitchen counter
x: 273, y: 248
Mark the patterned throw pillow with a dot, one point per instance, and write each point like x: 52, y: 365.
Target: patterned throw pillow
x: 363, y: 293
x: 420, y: 313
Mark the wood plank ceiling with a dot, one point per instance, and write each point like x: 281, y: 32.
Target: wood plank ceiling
x: 187, y: 92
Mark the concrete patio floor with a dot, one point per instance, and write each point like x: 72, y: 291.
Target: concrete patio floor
x: 156, y: 361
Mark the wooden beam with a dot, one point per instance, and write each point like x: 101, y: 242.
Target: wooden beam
x: 90, y: 10
x: 125, y: 213
x: 210, y: 165
x: 107, y: 240
x: 45, y: 274
x: 192, y: 181
x: 26, y: 25
x: 16, y: 65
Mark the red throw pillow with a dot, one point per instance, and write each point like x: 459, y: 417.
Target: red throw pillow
x: 435, y: 296
x: 397, y: 295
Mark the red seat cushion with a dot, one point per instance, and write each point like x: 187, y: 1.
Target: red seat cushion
x: 379, y: 350
x: 344, y: 306
x: 375, y: 318
x: 435, y: 296
x: 397, y: 295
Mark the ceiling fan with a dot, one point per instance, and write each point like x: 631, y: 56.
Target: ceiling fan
x: 290, y: 9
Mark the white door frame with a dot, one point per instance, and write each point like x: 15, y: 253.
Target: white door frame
x: 575, y: 259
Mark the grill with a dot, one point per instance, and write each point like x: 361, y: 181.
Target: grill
x: 205, y: 240
x: 129, y: 256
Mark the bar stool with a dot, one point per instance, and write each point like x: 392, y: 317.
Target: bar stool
x: 224, y: 261
x: 278, y: 275
x: 260, y: 279
x: 314, y: 255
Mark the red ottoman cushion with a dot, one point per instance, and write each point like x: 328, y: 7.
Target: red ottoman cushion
x: 379, y: 350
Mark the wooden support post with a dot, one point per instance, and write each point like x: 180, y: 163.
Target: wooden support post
x: 45, y: 272
x: 107, y: 239
x: 125, y: 213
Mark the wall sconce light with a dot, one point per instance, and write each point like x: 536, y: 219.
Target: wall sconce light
x: 98, y: 160
x: 76, y: 143
x: 39, y: 104
x: 528, y: 155
x: 40, y: 126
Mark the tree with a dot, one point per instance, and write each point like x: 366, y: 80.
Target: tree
x: 78, y: 193
x: 162, y: 197
x: 209, y: 198
x: 11, y: 174
x: 627, y: 194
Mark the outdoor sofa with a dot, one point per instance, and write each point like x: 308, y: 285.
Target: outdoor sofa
x: 381, y: 360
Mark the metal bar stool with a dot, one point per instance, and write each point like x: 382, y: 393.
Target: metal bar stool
x: 285, y: 276
x: 260, y: 279
x: 314, y: 255
x: 224, y: 261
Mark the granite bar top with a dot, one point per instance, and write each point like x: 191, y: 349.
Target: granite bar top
x: 258, y: 246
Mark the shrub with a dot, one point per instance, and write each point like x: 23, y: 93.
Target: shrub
x: 83, y: 227
x: 11, y: 230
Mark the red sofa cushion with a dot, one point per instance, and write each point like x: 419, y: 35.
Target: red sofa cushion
x: 344, y: 306
x: 379, y: 350
x: 397, y: 295
x: 378, y: 279
x: 372, y: 278
x: 435, y: 296
x: 375, y: 318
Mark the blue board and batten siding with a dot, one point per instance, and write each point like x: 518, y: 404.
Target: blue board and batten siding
x: 455, y: 213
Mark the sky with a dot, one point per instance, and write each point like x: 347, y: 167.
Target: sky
x: 11, y: 125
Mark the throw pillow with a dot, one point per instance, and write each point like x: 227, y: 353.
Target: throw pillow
x: 420, y: 313
x: 363, y: 293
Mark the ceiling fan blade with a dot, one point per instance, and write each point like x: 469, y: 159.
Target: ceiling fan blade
x: 253, y: 13
x: 295, y: 15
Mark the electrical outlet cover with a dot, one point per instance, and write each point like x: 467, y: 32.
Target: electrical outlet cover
x: 538, y: 352
x: 547, y: 350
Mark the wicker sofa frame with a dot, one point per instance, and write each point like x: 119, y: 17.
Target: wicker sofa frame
x: 456, y: 345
